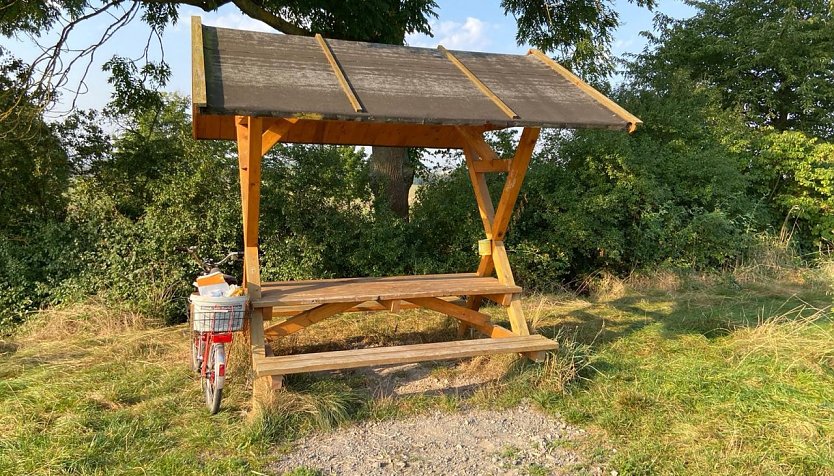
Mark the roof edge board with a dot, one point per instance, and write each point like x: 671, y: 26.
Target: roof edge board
x: 198, y: 64
x: 632, y: 120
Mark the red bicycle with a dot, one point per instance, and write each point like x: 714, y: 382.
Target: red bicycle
x: 213, y: 321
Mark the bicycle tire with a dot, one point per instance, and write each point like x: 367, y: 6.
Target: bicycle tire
x: 213, y: 382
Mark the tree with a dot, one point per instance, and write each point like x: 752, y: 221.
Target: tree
x: 770, y: 63
x: 34, y: 169
x: 774, y: 59
x: 578, y: 31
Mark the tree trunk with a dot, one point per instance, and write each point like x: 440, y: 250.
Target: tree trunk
x: 391, y: 178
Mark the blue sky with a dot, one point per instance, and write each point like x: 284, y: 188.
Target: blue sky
x: 477, y: 25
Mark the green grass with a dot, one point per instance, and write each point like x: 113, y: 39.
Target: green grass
x: 703, y: 377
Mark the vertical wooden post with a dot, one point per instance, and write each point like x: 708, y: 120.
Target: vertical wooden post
x: 253, y: 141
x: 249, y: 137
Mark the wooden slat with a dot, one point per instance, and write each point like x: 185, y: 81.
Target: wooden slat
x: 198, y: 64
x: 290, y: 293
x: 340, y: 74
x: 368, y: 306
x: 632, y: 120
x: 307, y: 318
x: 487, y: 166
x: 405, y: 354
x: 479, y: 84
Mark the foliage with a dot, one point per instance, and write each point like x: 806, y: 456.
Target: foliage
x: 578, y: 31
x: 34, y: 169
x: 771, y: 59
x: 800, y: 172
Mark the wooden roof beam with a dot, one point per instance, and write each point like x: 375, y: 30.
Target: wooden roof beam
x: 476, y: 140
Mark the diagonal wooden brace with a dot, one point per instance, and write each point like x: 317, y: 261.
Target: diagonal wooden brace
x: 473, y: 318
x: 307, y: 318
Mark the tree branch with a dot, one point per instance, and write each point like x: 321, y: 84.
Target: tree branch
x: 252, y: 9
x: 205, y: 5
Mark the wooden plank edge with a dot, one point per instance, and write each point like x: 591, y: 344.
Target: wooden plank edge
x: 393, y: 355
x: 631, y: 120
x: 368, y: 306
x: 198, y: 63
x: 267, y: 302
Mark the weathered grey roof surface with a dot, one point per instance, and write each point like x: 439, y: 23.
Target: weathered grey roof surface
x: 264, y: 74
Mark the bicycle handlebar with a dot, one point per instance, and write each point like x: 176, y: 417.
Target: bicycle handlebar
x: 208, y: 264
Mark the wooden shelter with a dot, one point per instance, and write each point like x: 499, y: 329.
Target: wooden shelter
x: 260, y: 89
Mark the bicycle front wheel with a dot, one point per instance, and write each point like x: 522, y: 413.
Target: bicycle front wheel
x: 215, y: 377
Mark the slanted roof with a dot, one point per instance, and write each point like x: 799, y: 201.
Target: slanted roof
x: 336, y: 86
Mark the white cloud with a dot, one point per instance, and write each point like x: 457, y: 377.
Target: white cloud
x: 623, y: 45
x: 471, y: 35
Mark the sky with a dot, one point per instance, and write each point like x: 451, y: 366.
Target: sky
x: 475, y: 25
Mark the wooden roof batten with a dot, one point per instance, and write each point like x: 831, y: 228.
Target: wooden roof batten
x: 396, y: 96
x: 630, y: 118
x: 340, y: 75
x: 479, y: 84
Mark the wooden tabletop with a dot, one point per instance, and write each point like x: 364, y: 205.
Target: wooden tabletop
x: 289, y: 293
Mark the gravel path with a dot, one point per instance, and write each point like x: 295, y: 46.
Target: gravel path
x: 517, y: 441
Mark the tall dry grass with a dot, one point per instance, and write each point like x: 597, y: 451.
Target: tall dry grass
x: 90, y: 319
x: 801, y: 336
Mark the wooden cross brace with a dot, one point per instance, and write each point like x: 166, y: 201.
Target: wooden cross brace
x: 480, y: 160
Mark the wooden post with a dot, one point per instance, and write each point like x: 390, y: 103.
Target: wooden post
x: 253, y: 141
x: 487, y: 211
x: 249, y: 139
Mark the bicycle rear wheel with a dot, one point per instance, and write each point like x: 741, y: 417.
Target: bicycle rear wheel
x: 215, y: 377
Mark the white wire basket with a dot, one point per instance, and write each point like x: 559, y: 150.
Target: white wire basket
x: 217, y: 314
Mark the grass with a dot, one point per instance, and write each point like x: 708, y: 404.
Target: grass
x: 698, y: 375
